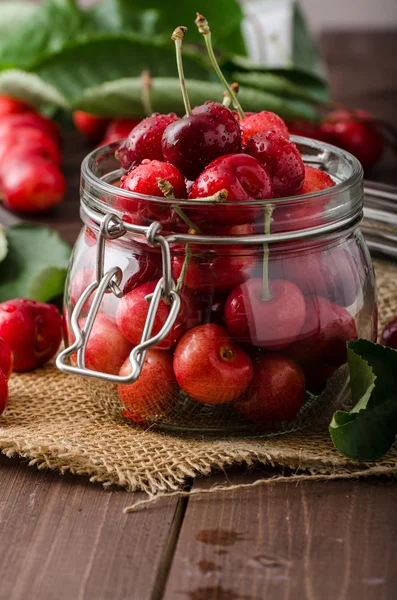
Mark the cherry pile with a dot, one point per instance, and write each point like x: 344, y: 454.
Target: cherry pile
x: 30, y: 158
x: 253, y: 331
x: 30, y: 334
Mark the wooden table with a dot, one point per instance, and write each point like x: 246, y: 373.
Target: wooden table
x: 66, y: 539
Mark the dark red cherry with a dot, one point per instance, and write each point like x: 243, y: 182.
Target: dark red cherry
x: 244, y: 179
x: 195, y: 141
x: 261, y: 123
x: 144, y: 141
x: 282, y: 160
x: 389, y: 335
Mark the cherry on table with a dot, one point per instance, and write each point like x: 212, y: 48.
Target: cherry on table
x: 276, y: 392
x: 273, y: 323
x: 6, y: 358
x: 209, y: 367
x: 10, y: 105
x: 10, y: 123
x: 28, y: 142
x: 3, y: 392
x: 262, y: 122
x: 92, y: 126
x: 389, y: 335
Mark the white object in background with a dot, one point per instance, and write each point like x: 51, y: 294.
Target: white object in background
x: 267, y: 30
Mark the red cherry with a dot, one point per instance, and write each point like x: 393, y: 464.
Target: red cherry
x: 3, y: 392
x: 282, y: 160
x: 90, y: 125
x: 270, y: 324
x: 6, y: 358
x: 209, y: 367
x: 356, y: 132
x: 9, y: 106
x: 244, y: 179
x: 153, y: 390
x: 261, y: 123
x: 10, y: 123
x: 29, y: 141
x: 195, y: 141
x: 144, y: 141
x: 132, y: 312
x: 33, y: 330
x: 316, y: 180
x: 322, y: 339
x: 107, y: 349
x: 304, y: 128
x: 389, y: 335
x: 147, y: 268
x: 118, y: 129
x: 31, y: 185
x: 276, y: 393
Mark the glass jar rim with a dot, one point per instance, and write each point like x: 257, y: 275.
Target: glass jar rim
x: 355, y: 177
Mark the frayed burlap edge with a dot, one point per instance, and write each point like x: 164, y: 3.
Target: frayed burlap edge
x: 53, y: 423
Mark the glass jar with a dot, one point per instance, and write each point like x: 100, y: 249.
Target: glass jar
x: 179, y: 322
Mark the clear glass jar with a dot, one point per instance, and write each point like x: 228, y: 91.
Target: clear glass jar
x: 253, y: 326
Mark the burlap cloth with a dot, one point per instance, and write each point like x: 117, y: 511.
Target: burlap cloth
x: 51, y: 421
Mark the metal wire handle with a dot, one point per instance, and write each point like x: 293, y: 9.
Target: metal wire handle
x: 112, y: 227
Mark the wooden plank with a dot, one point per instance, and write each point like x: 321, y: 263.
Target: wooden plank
x: 66, y: 538
x: 290, y: 541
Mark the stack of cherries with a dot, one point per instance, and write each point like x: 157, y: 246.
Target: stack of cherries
x: 246, y: 334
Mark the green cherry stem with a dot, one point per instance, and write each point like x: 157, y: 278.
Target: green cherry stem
x: 145, y: 92
x: 266, y: 295
x: 168, y: 192
x: 177, y: 37
x: 181, y: 278
x: 227, y: 99
x: 204, y: 29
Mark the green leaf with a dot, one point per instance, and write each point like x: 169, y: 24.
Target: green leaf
x: 123, y: 97
x: 283, y: 86
x: 119, y: 16
x: 15, y: 14
x: 305, y: 52
x: 31, y: 88
x: 47, y: 31
x: 90, y: 63
x: 3, y: 244
x: 35, y: 266
x: 369, y: 430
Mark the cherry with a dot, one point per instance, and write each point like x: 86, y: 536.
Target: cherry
x: 33, y: 330
x: 209, y: 367
x: 107, y: 349
x: 271, y: 324
x: 195, y: 141
x: 118, y: 129
x: 282, y: 160
x: 31, y: 183
x: 316, y: 180
x: 244, y: 179
x: 304, y: 128
x: 356, y: 132
x: 10, y: 105
x: 262, y: 122
x: 132, y: 312
x: 147, y: 268
x: 276, y: 392
x: 322, y: 339
x: 10, y: 123
x: 90, y: 125
x: 3, y: 392
x: 144, y: 141
x: 153, y: 390
x: 6, y: 358
x: 29, y: 141
x: 389, y: 335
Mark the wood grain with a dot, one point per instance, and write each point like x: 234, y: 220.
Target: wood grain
x: 288, y: 542
x: 68, y: 539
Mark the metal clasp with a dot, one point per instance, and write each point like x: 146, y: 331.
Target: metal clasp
x: 112, y: 227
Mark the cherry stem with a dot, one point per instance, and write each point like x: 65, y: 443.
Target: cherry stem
x: 181, y: 278
x: 177, y: 37
x: 204, y: 29
x: 227, y: 99
x: 266, y: 295
x: 145, y: 92
x: 168, y: 191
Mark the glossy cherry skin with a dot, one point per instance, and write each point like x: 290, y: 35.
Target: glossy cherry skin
x: 6, y: 358
x: 356, y: 132
x: 322, y: 339
x: 118, y: 129
x: 282, y: 160
x: 276, y: 392
x: 244, y: 178
x: 389, y: 335
x: 270, y: 324
x: 194, y: 142
x: 10, y: 106
x: 316, y: 180
x: 209, y: 367
x: 3, y: 392
x: 90, y: 125
x: 33, y: 330
x: 10, y: 123
x: 29, y: 141
x: 31, y: 184
x: 144, y: 141
x: 261, y: 123
x: 153, y: 390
